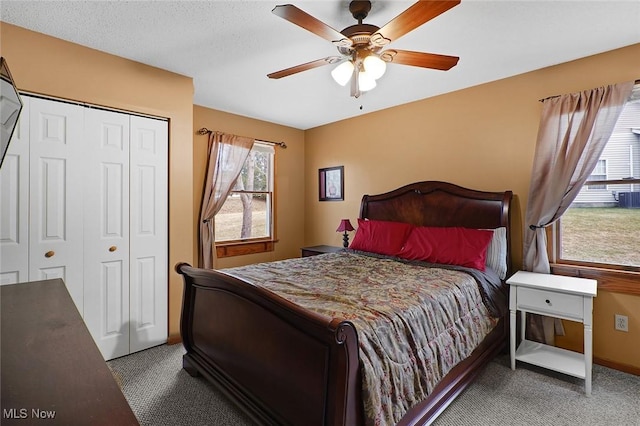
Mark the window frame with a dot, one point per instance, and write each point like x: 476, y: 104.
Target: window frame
x: 611, y: 277
x: 241, y: 247
x: 557, y: 236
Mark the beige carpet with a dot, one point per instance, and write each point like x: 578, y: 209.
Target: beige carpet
x: 538, y: 397
x: 160, y: 392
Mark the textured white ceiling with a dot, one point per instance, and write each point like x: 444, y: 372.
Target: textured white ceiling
x: 229, y: 47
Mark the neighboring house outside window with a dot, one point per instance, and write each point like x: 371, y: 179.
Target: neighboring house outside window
x: 599, y: 173
x: 245, y: 223
x: 601, y: 228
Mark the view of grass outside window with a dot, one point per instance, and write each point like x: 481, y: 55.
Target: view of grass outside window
x: 247, y: 214
x: 602, y: 225
x: 608, y: 235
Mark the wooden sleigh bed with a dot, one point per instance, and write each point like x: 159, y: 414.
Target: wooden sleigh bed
x: 284, y: 364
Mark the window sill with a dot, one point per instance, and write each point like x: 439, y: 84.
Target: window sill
x: 613, y: 280
x: 244, y: 248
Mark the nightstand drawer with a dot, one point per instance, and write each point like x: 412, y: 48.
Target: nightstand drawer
x: 564, y: 305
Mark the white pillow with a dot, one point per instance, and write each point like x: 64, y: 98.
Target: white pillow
x: 497, y: 252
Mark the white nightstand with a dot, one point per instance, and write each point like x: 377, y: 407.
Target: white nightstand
x: 555, y: 296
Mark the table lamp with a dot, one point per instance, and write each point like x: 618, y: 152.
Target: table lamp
x: 345, y: 226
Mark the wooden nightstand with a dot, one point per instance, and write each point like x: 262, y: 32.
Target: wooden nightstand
x: 316, y: 250
x: 555, y: 296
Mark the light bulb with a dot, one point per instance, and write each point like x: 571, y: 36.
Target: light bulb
x: 342, y: 73
x: 374, y: 66
x: 365, y: 81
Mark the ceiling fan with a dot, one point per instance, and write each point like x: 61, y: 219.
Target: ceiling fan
x: 362, y: 60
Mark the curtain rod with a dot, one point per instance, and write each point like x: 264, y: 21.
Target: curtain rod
x: 205, y: 131
x: 557, y: 96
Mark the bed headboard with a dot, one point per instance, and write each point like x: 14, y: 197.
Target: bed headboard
x: 433, y: 203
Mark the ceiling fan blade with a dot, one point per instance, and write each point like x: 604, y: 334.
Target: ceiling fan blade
x: 419, y: 59
x: 304, y: 67
x: 410, y: 19
x: 309, y: 23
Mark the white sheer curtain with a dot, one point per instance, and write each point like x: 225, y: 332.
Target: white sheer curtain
x: 226, y: 157
x: 573, y: 131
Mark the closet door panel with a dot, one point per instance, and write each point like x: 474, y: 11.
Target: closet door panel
x: 149, y: 232
x: 106, y: 230
x: 55, y: 175
x: 14, y: 204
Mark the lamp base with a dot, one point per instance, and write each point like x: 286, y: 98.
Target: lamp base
x: 345, y: 239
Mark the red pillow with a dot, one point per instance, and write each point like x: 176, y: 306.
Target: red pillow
x: 448, y: 245
x: 382, y: 237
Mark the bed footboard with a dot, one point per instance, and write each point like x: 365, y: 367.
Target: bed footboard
x: 282, y: 363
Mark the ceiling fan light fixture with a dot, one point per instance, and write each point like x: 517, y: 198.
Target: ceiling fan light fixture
x: 362, y: 62
x: 342, y: 73
x: 374, y: 66
x: 366, y: 81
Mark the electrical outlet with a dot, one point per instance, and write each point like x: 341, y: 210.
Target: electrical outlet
x: 622, y: 322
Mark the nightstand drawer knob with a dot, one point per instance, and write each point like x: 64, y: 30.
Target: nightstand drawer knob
x: 548, y: 301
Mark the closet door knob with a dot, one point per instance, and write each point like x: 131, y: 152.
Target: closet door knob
x: 49, y: 254
x: 113, y: 248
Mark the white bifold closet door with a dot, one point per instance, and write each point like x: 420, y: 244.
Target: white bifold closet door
x: 106, y: 230
x: 14, y: 205
x: 83, y: 195
x: 55, y: 194
x: 41, y: 197
x: 126, y: 232
x: 149, y: 234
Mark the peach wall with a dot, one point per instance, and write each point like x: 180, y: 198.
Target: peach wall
x: 289, y: 179
x: 50, y: 66
x: 610, y: 346
x: 482, y: 137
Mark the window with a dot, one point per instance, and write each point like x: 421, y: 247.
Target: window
x: 602, y: 225
x: 247, y: 214
x: 599, y: 173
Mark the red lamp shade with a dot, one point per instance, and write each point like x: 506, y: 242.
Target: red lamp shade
x: 345, y: 226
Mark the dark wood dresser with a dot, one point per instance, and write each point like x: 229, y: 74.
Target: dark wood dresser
x: 50, y: 367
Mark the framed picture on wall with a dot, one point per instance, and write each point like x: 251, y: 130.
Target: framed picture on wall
x: 331, y: 184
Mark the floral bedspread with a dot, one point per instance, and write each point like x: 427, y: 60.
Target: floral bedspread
x: 414, y: 323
